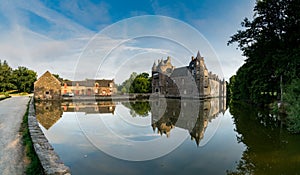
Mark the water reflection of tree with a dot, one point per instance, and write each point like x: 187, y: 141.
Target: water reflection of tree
x: 138, y: 108
x: 270, y: 149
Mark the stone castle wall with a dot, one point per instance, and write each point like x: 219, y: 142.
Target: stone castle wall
x: 192, y: 81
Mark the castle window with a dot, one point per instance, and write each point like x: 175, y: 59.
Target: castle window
x: 47, y: 92
x: 182, y: 81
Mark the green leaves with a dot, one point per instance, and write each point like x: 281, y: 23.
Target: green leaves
x: 140, y: 83
x: 292, y: 98
x: 272, y: 46
x: 5, y: 77
x: 21, y: 79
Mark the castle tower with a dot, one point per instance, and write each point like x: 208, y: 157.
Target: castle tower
x: 197, y: 68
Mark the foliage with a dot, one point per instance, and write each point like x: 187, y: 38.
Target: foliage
x: 269, y: 149
x: 60, y: 78
x: 292, y: 98
x: 138, y: 108
x: 5, y: 77
x: 23, y: 79
x: 141, y: 84
x: 124, y: 87
x: 137, y: 83
x: 34, y: 166
x: 272, y: 47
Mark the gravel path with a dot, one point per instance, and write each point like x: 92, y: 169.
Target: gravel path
x: 12, y: 111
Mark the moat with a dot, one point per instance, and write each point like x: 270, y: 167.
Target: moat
x: 168, y: 136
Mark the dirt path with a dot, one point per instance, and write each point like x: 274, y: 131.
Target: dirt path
x: 12, y: 111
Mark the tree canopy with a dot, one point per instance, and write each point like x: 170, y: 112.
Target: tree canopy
x: 6, y: 77
x: 23, y: 79
x: 271, y: 44
x: 20, y: 79
x: 137, y: 83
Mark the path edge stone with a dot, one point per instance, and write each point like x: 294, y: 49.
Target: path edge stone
x: 49, y: 159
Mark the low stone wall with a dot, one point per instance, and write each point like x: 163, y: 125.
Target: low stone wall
x: 49, y: 159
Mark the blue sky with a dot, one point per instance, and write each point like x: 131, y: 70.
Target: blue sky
x: 55, y: 35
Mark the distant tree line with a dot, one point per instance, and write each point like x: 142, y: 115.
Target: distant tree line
x: 136, y: 83
x: 20, y: 79
x: 271, y: 44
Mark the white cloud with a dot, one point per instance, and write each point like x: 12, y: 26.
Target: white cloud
x: 70, y: 50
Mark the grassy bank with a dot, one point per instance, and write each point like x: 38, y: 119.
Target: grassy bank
x: 4, y: 95
x: 33, y: 164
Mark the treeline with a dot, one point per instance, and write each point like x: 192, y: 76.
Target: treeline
x: 136, y: 83
x: 20, y: 79
x: 271, y: 44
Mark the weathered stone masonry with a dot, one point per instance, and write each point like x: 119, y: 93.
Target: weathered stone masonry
x: 50, y: 161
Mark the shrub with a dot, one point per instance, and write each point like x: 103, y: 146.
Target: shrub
x: 293, y: 106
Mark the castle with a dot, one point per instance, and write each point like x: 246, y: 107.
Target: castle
x: 192, y: 81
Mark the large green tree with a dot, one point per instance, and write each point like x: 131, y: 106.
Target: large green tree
x: 136, y: 83
x: 5, y: 77
x: 271, y: 45
x: 23, y: 79
x: 141, y: 84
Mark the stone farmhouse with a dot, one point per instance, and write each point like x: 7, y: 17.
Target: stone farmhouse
x: 192, y: 81
x: 48, y: 87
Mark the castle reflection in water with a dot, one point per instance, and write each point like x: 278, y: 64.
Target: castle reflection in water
x: 192, y: 115
x: 166, y: 114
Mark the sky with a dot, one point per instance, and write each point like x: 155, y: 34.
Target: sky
x: 109, y: 39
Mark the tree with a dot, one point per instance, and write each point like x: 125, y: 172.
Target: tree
x: 292, y: 98
x: 24, y: 79
x: 272, y: 47
x: 141, y: 84
x: 62, y: 80
x: 5, y: 77
x: 125, y: 86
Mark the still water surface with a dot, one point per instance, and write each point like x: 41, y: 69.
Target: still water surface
x: 168, y: 137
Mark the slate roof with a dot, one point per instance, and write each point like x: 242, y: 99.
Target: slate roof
x: 180, y: 72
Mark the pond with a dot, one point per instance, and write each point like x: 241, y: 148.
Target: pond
x: 168, y: 136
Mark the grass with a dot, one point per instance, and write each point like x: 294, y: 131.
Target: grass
x: 34, y: 165
x: 4, y: 96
